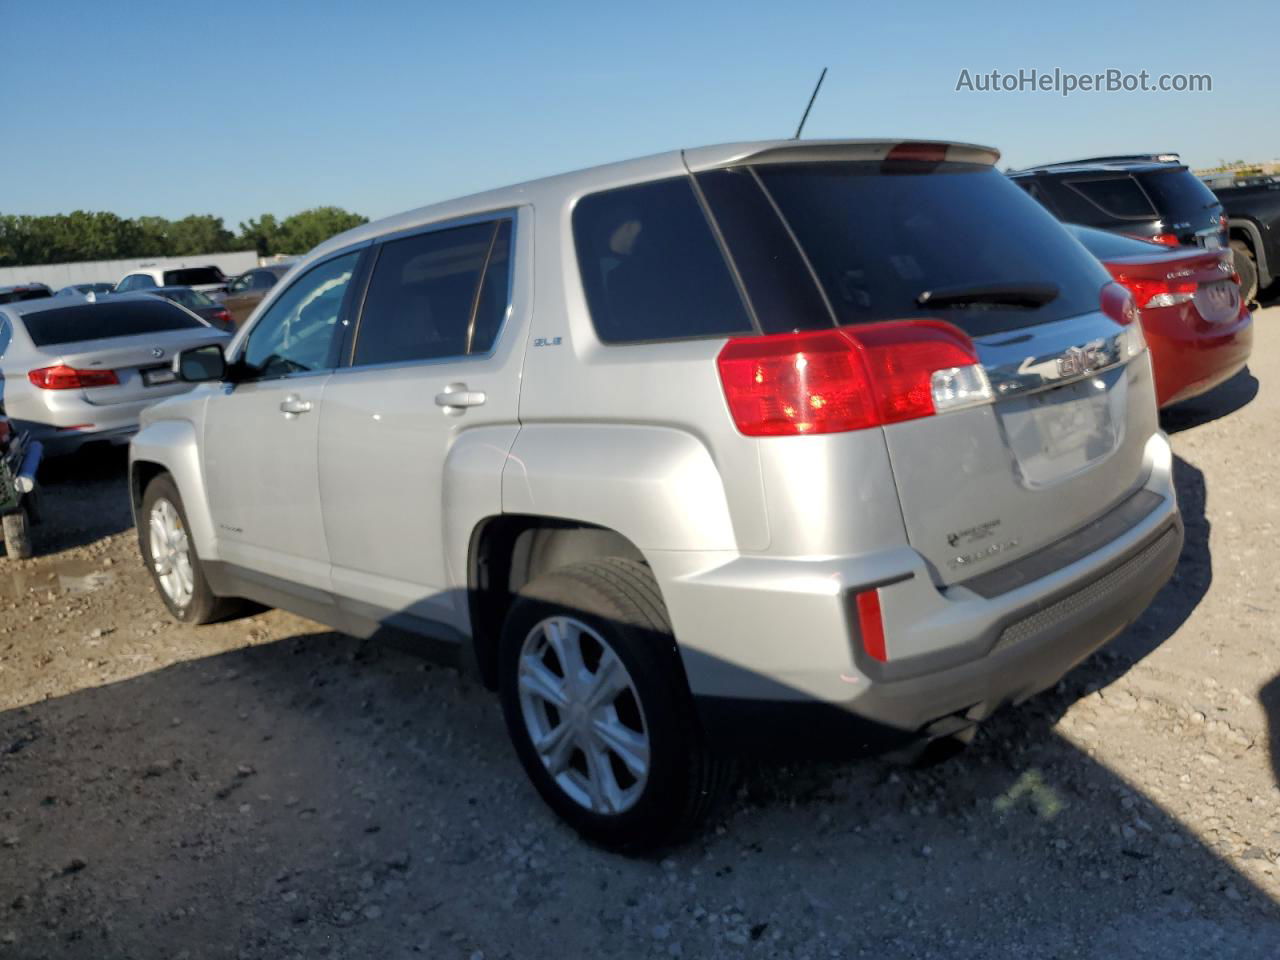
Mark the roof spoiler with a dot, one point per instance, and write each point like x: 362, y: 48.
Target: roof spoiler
x: 817, y: 151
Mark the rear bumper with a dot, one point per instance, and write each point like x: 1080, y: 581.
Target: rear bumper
x: 1041, y: 644
x: 1189, y: 358
x: 772, y: 652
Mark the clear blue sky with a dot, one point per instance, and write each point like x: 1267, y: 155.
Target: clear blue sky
x: 237, y: 108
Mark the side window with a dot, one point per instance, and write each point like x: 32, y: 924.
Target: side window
x: 239, y: 284
x: 1119, y: 197
x: 6, y: 334
x: 296, y: 333
x: 423, y: 297
x: 142, y: 282
x: 651, y: 268
x: 262, y: 280
x: 128, y: 283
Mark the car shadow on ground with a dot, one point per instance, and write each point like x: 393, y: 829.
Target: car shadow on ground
x: 1221, y: 401
x: 323, y: 795
x: 84, y: 497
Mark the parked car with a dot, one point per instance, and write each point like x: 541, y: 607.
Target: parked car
x: 81, y: 289
x: 199, y: 304
x: 210, y: 280
x: 1253, y: 219
x: 1148, y: 196
x: 80, y: 372
x: 247, y: 290
x: 807, y: 445
x: 24, y: 291
x: 1194, y: 317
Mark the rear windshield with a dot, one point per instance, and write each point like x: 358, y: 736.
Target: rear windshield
x: 878, y: 239
x: 99, y: 321
x: 191, y: 276
x: 28, y: 293
x: 1108, y: 246
x: 1179, y: 195
x: 188, y: 298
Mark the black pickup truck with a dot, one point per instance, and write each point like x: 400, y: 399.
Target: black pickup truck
x: 1252, y: 207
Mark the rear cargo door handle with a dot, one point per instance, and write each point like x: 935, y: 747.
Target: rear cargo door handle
x: 455, y: 398
x: 293, y: 405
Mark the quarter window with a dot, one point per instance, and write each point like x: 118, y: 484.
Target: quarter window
x: 426, y: 299
x: 651, y: 267
x: 296, y: 334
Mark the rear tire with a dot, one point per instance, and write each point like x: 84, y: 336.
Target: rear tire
x: 177, y: 571
x: 629, y: 770
x: 17, y: 535
x: 1247, y: 269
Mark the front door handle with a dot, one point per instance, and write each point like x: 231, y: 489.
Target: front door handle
x: 293, y: 405
x: 455, y: 398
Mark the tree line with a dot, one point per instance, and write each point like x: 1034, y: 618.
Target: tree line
x: 83, y: 235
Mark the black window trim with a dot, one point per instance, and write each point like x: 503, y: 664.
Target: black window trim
x: 358, y: 278
x: 352, y: 329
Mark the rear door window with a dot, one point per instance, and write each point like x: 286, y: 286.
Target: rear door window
x: 1118, y: 197
x: 878, y: 240
x: 104, y: 319
x: 423, y: 296
x: 651, y: 267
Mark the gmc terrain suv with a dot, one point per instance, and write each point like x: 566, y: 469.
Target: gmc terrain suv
x: 838, y: 445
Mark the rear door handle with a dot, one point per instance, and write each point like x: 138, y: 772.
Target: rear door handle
x: 293, y: 405
x: 456, y: 397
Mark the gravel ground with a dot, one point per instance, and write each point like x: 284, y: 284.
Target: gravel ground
x: 268, y: 789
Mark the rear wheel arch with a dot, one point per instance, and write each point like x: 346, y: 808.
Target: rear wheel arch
x: 508, y: 551
x: 1247, y: 232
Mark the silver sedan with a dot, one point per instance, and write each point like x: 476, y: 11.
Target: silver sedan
x: 72, y: 373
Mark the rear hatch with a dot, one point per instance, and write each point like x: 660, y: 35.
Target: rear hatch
x: 931, y: 238
x: 136, y: 339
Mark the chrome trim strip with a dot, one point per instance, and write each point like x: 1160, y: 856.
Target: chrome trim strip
x: 1052, y: 355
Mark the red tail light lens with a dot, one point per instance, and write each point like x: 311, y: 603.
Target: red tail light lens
x: 68, y: 378
x: 1117, y: 303
x: 1158, y: 293
x: 871, y: 625
x: 849, y: 378
x: 222, y: 317
x: 1168, y: 239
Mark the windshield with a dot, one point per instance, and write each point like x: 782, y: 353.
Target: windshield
x: 99, y: 321
x: 190, y: 276
x: 879, y: 240
x: 1180, y: 196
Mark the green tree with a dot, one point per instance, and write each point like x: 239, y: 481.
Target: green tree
x: 302, y: 231
x: 262, y: 234
x: 199, y: 234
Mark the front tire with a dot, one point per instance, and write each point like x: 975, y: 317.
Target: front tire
x: 598, y: 708
x: 1247, y: 270
x: 171, y: 557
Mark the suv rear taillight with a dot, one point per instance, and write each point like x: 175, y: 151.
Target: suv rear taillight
x: 1118, y: 304
x: 63, y: 377
x: 849, y: 378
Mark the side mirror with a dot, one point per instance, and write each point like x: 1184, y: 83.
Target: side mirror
x: 201, y: 364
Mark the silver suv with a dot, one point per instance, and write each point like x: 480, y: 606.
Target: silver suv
x: 828, y: 445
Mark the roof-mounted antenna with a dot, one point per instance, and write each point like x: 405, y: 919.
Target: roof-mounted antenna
x: 816, y: 88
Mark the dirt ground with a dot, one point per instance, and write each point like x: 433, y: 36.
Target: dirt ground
x: 268, y: 789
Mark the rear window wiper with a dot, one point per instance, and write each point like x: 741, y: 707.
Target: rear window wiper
x: 1027, y: 295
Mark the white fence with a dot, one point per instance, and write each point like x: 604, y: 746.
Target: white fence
x: 110, y: 271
